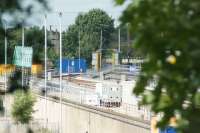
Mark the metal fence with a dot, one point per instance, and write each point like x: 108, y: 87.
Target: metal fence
x: 78, y: 94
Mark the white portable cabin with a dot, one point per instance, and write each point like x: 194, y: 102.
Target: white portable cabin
x: 110, y: 93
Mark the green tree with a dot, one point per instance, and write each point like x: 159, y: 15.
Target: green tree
x: 37, y: 43
x: 70, y: 41
x: 14, y: 38
x: 22, y: 108
x: 88, y: 26
x: 34, y: 37
x: 13, y: 14
x: 167, y: 31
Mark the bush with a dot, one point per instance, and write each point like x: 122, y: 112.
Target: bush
x: 22, y: 107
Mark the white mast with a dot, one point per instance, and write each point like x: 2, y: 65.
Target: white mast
x: 101, y: 49
x: 22, y: 55
x: 119, y: 40
x: 60, y: 23
x: 45, y: 69
x: 5, y: 66
x: 79, y: 50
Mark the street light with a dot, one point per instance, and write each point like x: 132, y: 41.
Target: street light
x: 101, y: 44
x: 5, y: 41
x: 45, y: 69
x: 119, y: 39
x: 60, y: 23
x: 79, y: 50
x: 22, y: 55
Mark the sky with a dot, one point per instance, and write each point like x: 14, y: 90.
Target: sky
x: 71, y: 8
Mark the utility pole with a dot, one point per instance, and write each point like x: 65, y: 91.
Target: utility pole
x: 60, y: 23
x: 5, y: 67
x: 128, y: 41
x: 119, y: 40
x: 45, y: 68
x: 79, y: 50
x: 101, y: 49
x: 22, y: 55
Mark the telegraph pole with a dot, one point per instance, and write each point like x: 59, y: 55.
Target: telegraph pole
x: 45, y: 69
x: 60, y: 23
x: 128, y: 41
x: 101, y: 44
x: 5, y: 67
x: 119, y: 40
x: 79, y: 49
x: 22, y: 55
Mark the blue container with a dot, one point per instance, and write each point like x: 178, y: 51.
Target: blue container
x: 72, y: 65
x: 168, y: 130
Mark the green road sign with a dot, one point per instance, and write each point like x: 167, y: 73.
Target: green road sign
x: 23, y: 56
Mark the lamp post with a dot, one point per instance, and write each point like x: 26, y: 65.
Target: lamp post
x: 128, y: 41
x: 119, y: 40
x: 101, y: 44
x: 5, y: 42
x: 22, y: 55
x: 60, y: 24
x: 79, y: 49
x: 45, y: 69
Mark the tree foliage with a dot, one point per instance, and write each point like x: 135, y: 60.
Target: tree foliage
x: 34, y: 37
x: 22, y: 108
x: 17, y: 11
x: 14, y: 13
x: 168, y: 32
x: 88, y: 26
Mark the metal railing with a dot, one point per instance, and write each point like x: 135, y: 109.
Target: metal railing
x: 79, y: 94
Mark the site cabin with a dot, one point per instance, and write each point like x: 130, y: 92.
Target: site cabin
x: 110, y: 94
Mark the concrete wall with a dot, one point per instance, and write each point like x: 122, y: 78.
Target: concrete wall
x: 77, y: 118
x: 85, y: 119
